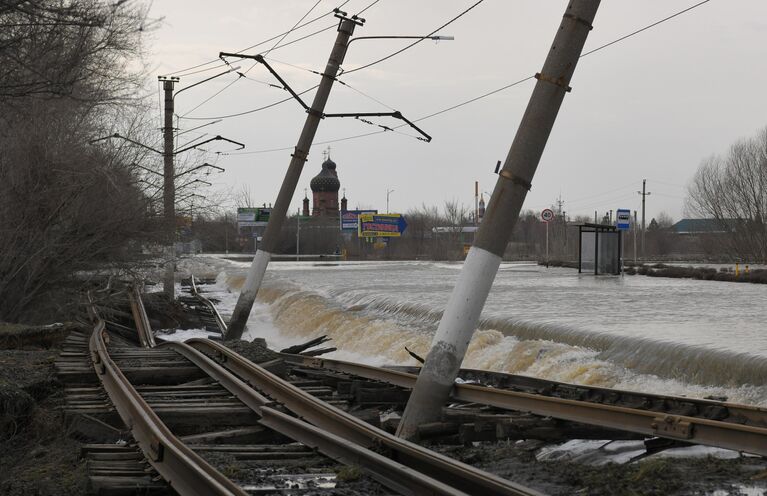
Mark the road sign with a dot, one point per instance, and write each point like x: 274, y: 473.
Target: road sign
x: 547, y: 215
x: 350, y: 219
x: 623, y: 219
x: 382, y: 225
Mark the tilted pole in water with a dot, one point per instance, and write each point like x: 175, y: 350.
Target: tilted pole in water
x: 461, y: 316
x: 277, y: 217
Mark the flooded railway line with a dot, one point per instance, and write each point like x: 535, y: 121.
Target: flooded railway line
x: 292, y: 421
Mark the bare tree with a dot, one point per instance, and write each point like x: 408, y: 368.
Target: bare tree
x: 70, y: 71
x: 732, y: 189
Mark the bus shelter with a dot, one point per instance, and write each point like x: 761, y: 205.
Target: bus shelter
x: 599, y: 249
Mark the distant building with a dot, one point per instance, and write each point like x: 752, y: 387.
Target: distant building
x: 325, y: 186
x: 481, y: 208
x: 703, y: 226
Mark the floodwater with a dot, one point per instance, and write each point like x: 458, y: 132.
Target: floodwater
x: 675, y: 336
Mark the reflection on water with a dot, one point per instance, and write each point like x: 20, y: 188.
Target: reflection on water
x: 674, y: 335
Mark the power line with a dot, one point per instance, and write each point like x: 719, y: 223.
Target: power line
x: 346, y: 72
x: 242, y: 74
x: 489, y: 93
x: 238, y: 114
x: 213, y: 61
x: 661, y: 21
x: 415, y: 42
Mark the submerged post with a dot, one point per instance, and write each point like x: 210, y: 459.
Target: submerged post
x: 277, y: 217
x: 461, y: 316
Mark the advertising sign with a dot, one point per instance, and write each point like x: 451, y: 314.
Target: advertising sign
x: 253, y: 216
x: 382, y: 225
x: 350, y: 219
x: 246, y: 214
x: 623, y: 219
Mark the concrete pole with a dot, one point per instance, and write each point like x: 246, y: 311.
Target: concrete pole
x: 277, y: 217
x: 169, y: 193
x: 461, y: 316
x: 635, y: 237
x: 644, y: 194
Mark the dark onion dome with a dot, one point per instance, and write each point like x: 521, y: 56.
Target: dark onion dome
x: 327, y: 179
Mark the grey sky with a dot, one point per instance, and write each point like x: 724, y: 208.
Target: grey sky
x: 649, y: 107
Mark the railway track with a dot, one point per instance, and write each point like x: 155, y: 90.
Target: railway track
x: 225, y: 425
x: 685, y: 420
x: 679, y: 420
x: 205, y: 420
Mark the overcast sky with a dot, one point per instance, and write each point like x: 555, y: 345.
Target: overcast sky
x: 652, y: 106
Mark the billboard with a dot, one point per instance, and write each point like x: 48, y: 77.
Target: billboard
x: 253, y: 216
x: 350, y: 219
x: 382, y: 225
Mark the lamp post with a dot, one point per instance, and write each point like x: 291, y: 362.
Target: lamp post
x: 388, y: 192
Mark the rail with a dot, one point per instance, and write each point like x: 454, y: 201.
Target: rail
x: 394, y: 475
x: 144, y: 329
x: 351, y: 429
x: 209, y: 304
x: 729, y: 435
x: 182, y: 468
x: 416, y: 470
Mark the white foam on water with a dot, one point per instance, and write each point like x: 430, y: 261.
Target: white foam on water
x: 372, y: 326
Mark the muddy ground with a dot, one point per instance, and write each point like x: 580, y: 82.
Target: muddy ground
x: 38, y: 457
x: 653, y: 476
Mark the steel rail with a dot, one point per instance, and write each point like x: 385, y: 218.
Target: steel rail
x: 396, y: 476
x: 736, y: 413
x: 143, y: 328
x: 184, y: 470
x: 205, y: 301
x: 337, y: 422
x: 739, y: 437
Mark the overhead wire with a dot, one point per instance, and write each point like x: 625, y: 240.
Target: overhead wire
x: 489, y: 93
x: 216, y: 60
x: 244, y: 73
x: 415, y: 42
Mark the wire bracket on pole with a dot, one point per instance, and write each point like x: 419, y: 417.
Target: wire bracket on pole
x: 579, y: 20
x: 555, y: 81
x: 301, y: 154
x: 506, y: 174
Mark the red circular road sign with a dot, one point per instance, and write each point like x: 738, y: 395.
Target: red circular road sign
x: 547, y: 215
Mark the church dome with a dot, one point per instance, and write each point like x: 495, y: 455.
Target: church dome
x: 327, y: 179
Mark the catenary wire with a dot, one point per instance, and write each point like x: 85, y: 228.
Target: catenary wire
x: 471, y: 100
x: 243, y: 74
x: 415, y: 42
x: 213, y: 61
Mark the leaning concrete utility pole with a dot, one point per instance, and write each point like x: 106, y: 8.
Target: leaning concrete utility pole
x: 169, y: 190
x: 461, y: 316
x: 277, y: 217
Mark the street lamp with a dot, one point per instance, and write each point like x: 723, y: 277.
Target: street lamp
x: 388, y: 192
x: 435, y: 38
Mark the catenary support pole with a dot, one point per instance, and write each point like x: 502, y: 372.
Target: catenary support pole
x: 635, y: 237
x: 277, y: 217
x: 644, y: 194
x: 169, y: 192
x: 461, y: 316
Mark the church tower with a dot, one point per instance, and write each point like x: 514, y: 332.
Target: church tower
x: 481, y: 208
x: 325, y: 186
x: 305, y: 211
